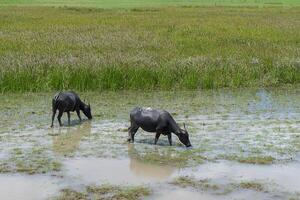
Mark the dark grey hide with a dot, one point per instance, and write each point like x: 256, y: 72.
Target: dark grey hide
x: 69, y: 102
x: 157, y: 121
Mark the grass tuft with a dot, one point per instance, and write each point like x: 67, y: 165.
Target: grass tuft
x: 263, y: 160
x: 69, y: 194
x: 106, y: 192
x: 185, y: 181
x: 252, y: 186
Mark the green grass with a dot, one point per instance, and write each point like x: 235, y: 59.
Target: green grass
x: 106, y: 192
x: 45, y: 49
x: 252, y: 186
x: 31, y: 161
x: 185, y: 181
x: 146, y: 3
x: 262, y: 160
x: 221, y: 189
x: 70, y: 194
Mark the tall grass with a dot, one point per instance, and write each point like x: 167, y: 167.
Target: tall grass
x: 45, y: 49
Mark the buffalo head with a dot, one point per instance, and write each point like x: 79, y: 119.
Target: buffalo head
x: 87, y: 111
x: 184, y: 137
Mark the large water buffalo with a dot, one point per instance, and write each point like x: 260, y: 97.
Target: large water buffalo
x: 69, y: 102
x: 157, y: 121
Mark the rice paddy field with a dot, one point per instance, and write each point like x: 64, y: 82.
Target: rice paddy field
x: 188, y: 47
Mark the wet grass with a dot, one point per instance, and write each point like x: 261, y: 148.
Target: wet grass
x: 29, y: 161
x: 230, y: 187
x: 4, y: 168
x: 106, y: 192
x: 185, y: 181
x: 263, y: 160
x: 220, y: 189
x: 46, y: 49
x: 294, y: 196
x: 117, y: 192
x: 252, y: 186
x: 69, y: 194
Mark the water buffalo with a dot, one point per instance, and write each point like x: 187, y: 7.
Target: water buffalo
x: 158, y: 121
x: 69, y: 102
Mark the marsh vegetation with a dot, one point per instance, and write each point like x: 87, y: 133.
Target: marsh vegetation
x: 245, y: 144
x: 46, y: 49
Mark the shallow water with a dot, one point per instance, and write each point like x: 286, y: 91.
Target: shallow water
x: 180, y: 194
x: 116, y: 171
x: 27, y: 187
x: 286, y: 176
x: 237, y: 135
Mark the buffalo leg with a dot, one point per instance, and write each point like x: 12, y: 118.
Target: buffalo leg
x: 156, y: 137
x: 170, y: 139
x: 69, y: 118
x: 131, y: 132
x: 78, y: 114
x: 59, y: 117
x: 159, y: 130
x: 53, y: 116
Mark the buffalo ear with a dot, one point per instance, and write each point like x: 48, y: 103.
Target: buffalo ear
x: 184, y: 126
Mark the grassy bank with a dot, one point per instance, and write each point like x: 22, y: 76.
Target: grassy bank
x: 45, y: 48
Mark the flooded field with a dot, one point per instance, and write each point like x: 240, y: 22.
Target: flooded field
x: 246, y: 145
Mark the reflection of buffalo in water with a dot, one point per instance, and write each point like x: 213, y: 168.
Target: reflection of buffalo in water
x: 66, y: 141
x: 141, y: 168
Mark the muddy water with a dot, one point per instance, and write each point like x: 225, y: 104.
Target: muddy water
x: 286, y: 176
x: 237, y: 135
x: 116, y: 171
x: 27, y: 187
x: 179, y: 194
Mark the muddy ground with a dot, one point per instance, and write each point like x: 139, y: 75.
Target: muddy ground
x: 246, y: 145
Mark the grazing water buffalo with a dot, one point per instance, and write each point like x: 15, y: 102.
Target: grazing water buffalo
x: 69, y: 102
x: 158, y: 121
